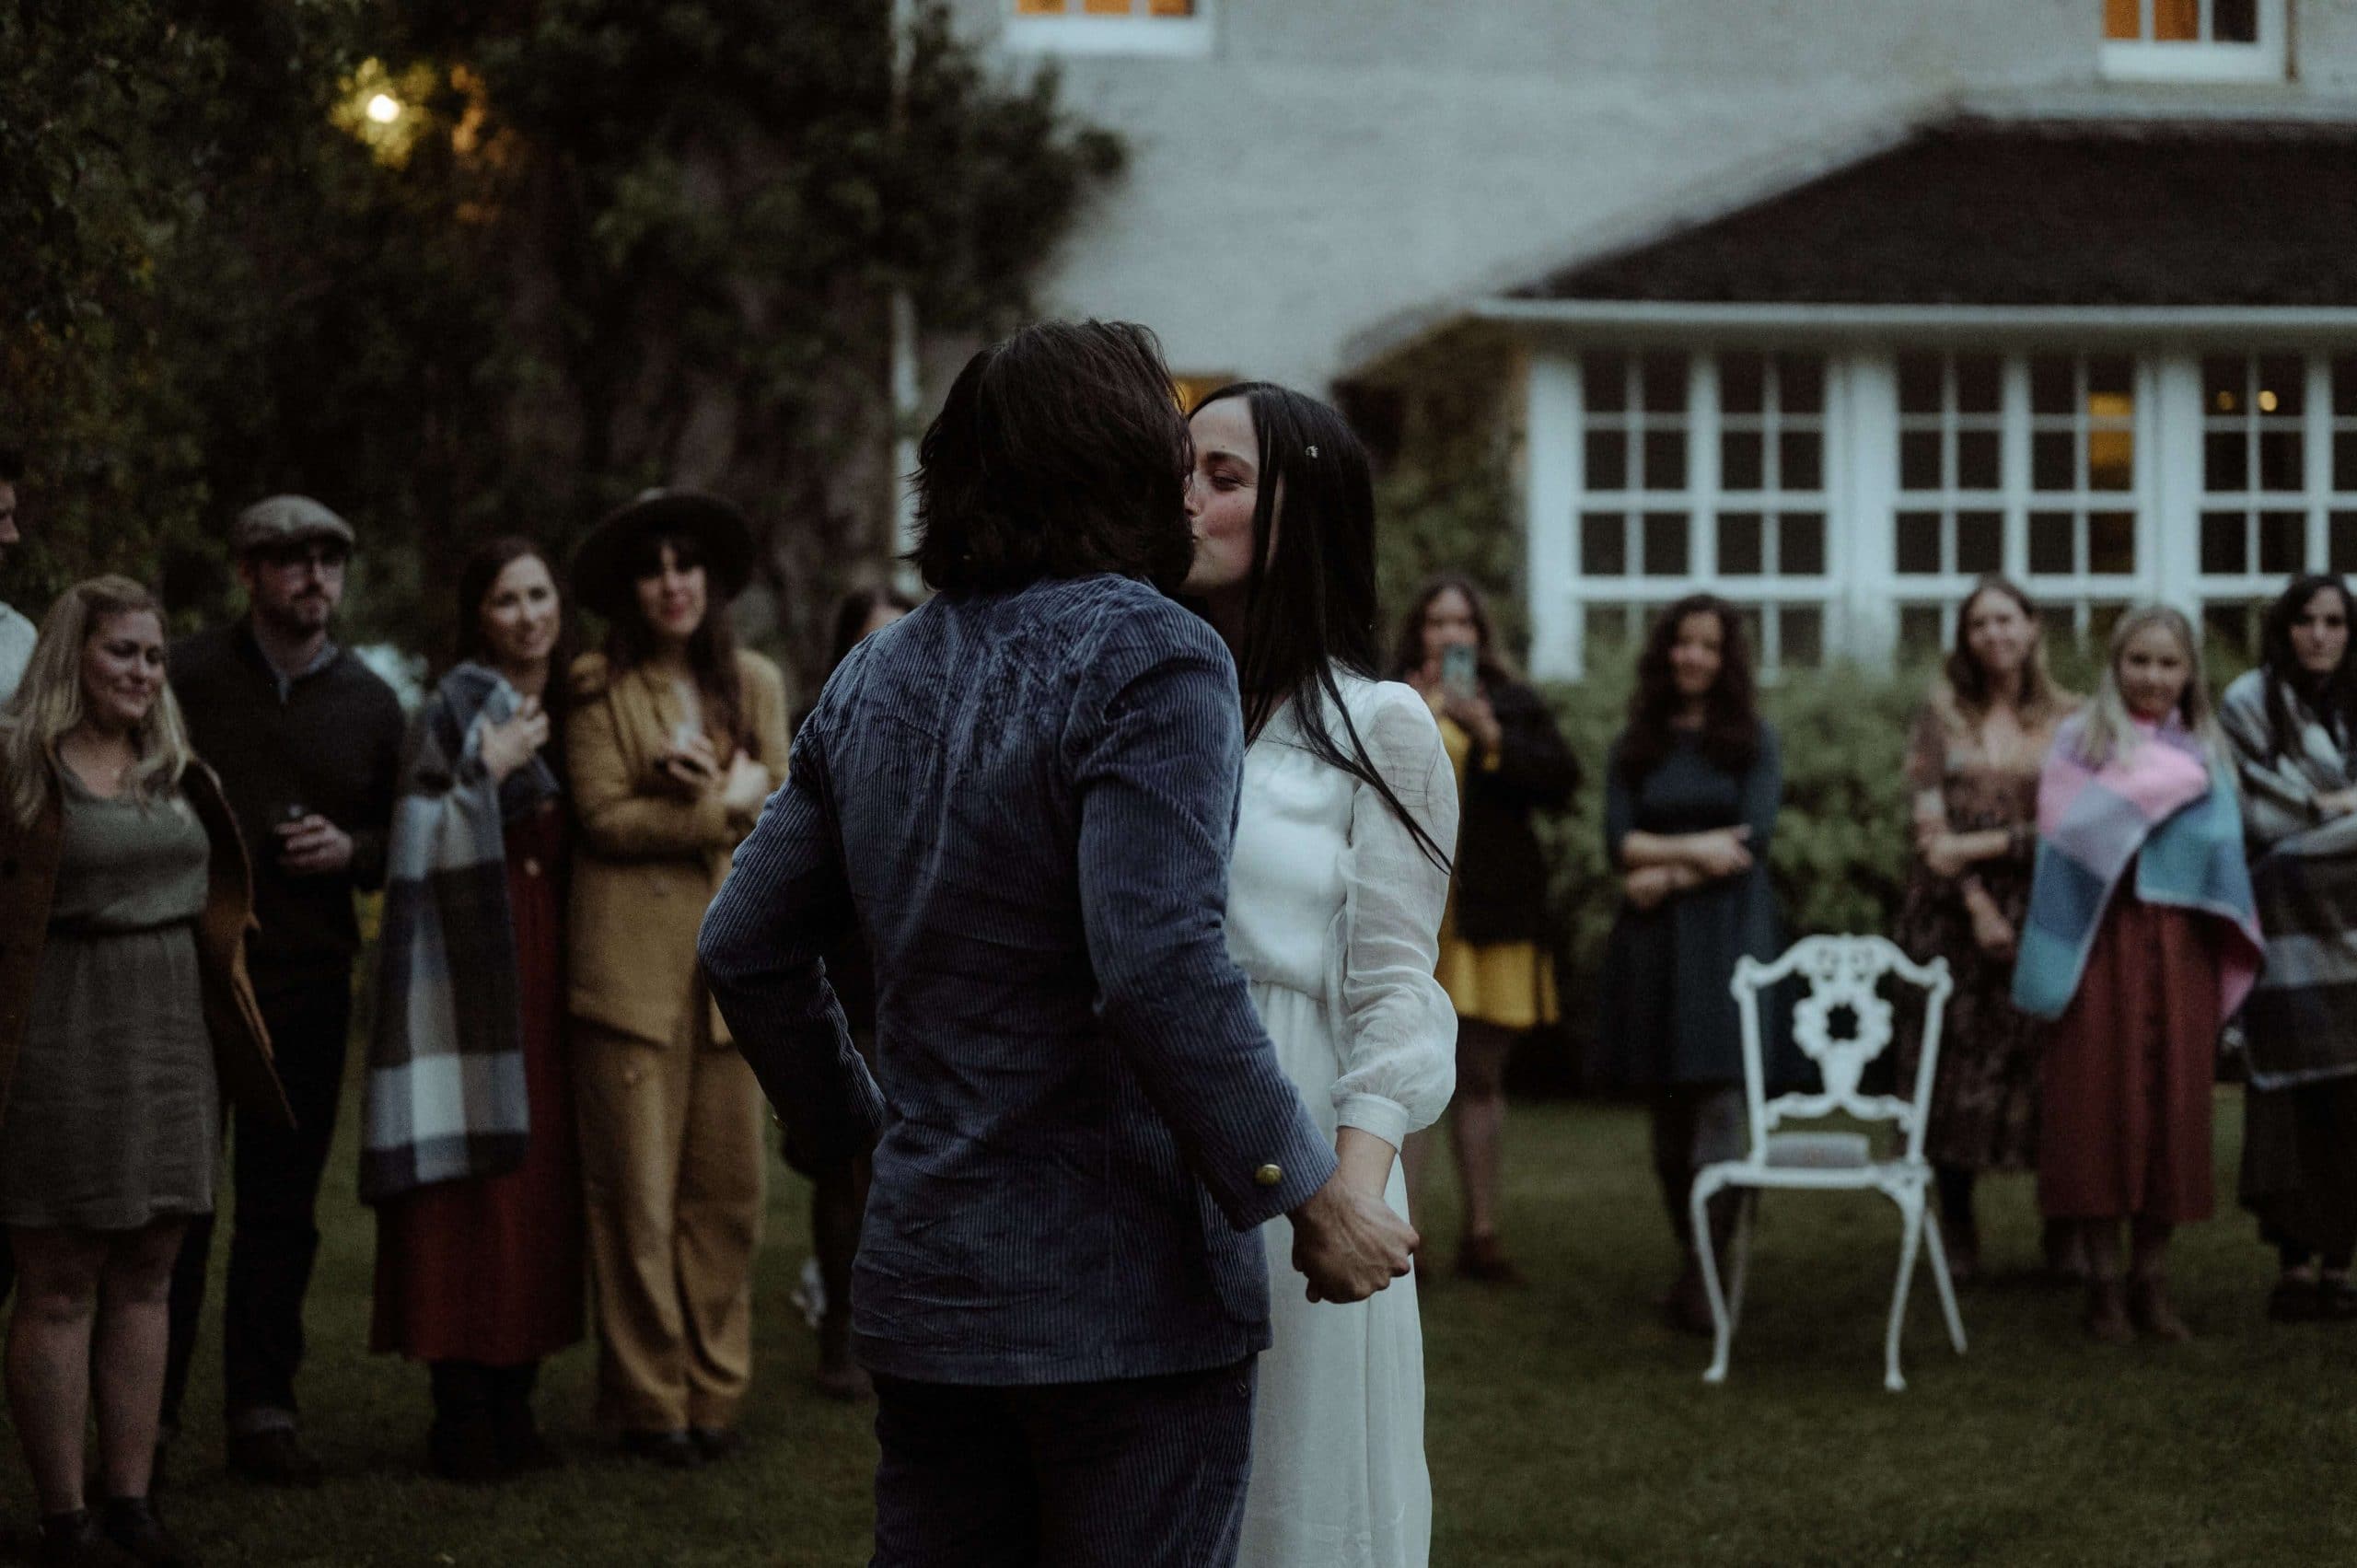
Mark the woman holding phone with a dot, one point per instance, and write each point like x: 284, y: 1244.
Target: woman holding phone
x: 676, y: 738
x: 1510, y: 762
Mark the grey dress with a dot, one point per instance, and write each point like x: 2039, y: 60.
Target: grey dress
x: 114, y: 1113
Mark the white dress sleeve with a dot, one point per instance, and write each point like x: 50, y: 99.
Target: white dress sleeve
x: 1397, y: 1032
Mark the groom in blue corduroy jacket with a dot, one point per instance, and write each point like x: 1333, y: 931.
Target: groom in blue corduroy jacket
x: 1024, y: 795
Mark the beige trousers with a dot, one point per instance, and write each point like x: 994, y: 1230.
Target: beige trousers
x: 671, y: 1162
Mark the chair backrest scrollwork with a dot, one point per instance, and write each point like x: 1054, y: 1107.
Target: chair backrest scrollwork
x: 1843, y: 975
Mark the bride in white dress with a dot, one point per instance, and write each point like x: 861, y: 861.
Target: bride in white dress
x: 1334, y: 908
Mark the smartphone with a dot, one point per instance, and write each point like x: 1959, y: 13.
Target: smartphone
x: 1460, y: 668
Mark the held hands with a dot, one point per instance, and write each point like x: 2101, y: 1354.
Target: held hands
x: 507, y: 746
x: 691, y: 768
x: 1347, y: 1241
x: 1646, y: 886
x: 2339, y: 803
x: 746, y: 786
x: 313, y: 846
x: 1992, y: 930
x: 1722, y: 851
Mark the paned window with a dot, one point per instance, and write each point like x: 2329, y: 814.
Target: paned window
x: 2279, y: 479
x: 1104, y: 7
x: 2194, y: 38
x: 2020, y: 464
x: 1706, y: 470
x: 1110, y: 26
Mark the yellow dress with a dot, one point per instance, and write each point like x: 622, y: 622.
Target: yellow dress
x: 1511, y: 984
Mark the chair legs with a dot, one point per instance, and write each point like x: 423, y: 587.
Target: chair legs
x: 1946, y: 1283
x: 1706, y: 1184
x: 1726, y: 1302
x: 1910, y: 1209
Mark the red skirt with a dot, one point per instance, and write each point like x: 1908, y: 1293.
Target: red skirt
x: 2128, y: 1073
x: 491, y: 1270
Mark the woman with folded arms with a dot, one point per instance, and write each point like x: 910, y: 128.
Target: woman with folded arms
x: 1692, y: 789
x: 2293, y: 725
x: 125, y: 1017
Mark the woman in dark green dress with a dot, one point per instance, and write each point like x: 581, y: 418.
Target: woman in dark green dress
x: 124, y: 1019
x: 1691, y: 792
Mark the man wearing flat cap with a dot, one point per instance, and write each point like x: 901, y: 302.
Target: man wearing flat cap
x: 308, y: 742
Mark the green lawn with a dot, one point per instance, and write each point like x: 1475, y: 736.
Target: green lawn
x: 1566, y: 1427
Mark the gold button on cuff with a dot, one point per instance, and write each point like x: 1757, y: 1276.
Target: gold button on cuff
x: 1268, y: 1175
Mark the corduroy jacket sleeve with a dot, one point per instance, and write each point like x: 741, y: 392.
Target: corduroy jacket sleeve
x: 1158, y: 758
x: 784, y: 902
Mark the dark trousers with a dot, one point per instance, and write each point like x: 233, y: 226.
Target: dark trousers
x: 1144, y: 1472
x: 274, y: 1237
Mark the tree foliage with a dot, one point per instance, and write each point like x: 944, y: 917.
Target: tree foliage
x: 596, y: 245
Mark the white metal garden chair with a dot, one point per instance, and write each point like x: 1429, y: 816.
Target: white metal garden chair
x: 1842, y: 973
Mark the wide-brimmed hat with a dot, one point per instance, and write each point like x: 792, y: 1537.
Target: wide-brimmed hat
x: 601, y: 575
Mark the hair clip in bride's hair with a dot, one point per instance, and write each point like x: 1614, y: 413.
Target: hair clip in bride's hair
x: 1311, y: 450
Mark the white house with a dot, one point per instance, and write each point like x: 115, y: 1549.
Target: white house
x: 1828, y: 305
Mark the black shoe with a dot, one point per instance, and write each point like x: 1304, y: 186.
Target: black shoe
x: 673, y: 1450
x: 273, y: 1457
x: 76, y: 1539
x: 515, y: 1426
x: 466, y: 1450
x: 131, y: 1524
x: 716, y: 1443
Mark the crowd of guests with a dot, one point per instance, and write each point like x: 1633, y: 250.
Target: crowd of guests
x: 555, y: 1125
x: 551, y: 1114
x: 2121, y: 886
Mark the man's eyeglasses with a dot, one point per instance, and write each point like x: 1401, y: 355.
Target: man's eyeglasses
x: 324, y: 555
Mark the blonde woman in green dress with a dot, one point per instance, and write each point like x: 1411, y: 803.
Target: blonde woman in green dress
x: 124, y: 1018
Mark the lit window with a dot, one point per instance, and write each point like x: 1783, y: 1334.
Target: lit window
x: 2278, y: 477
x: 2019, y: 464
x: 1193, y: 387
x: 1110, y: 26
x: 2194, y: 38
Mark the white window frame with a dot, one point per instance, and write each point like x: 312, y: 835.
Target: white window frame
x: 2201, y: 60
x: 1559, y: 404
x: 2316, y: 502
x: 1139, y: 33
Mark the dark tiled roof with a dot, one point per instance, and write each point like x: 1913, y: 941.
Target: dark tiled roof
x: 2171, y: 214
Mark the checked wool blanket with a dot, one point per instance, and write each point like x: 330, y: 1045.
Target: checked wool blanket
x: 446, y: 1095
x: 2164, y: 807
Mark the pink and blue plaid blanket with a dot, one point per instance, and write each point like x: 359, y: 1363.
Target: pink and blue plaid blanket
x: 2168, y: 809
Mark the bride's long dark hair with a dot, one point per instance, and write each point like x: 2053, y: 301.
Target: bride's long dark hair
x: 1310, y: 601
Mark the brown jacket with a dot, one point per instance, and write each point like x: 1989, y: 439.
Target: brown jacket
x: 648, y: 863
x: 28, y: 863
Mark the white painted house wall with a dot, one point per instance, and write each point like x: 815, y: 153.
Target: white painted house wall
x: 1313, y: 181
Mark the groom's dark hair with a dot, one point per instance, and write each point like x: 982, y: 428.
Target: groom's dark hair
x: 1058, y: 453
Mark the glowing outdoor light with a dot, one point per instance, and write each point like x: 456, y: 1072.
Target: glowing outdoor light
x: 2266, y: 403
x: 384, y: 108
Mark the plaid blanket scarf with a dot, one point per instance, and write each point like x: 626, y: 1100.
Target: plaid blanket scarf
x: 2301, y: 1024
x: 2164, y: 808
x: 444, y: 1097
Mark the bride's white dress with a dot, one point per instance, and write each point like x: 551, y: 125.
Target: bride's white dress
x: 1334, y: 912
